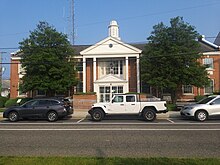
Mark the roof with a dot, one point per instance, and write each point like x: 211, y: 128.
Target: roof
x: 206, y: 48
x: 78, y: 48
x: 217, y: 40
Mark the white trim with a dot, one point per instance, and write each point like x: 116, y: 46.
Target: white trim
x: 94, y: 69
x: 15, y: 58
x: 86, y: 51
x: 84, y: 74
x: 138, y: 74
x: 211, y: 53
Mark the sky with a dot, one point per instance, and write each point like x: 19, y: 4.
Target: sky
x: 135, y: 18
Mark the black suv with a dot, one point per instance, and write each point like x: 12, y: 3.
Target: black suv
x: 51, y: 109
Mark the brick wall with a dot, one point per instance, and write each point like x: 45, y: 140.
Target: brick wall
x: 14, y: 79
x: 83, y: 101
x: 132, y: 71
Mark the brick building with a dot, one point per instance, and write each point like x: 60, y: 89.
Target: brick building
x: 112, y: 66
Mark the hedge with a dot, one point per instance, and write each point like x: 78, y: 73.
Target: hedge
x: 3, y: 101
x: 13, y: 102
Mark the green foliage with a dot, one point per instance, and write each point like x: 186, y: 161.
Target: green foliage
x: 3, y: 101
x: 13, y: 102
x: 170, y: 58
x: 171, y: 107
x: 48, y: 61
x: 199, y: 97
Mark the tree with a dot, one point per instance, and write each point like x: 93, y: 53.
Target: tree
x: 171, y: 58
x: 47, y: 59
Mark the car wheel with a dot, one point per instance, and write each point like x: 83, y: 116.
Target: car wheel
x: 52, y: 116
x: 201, y: 115
x: 97, y: 115
x: 13, y: 116
x: 149, y: 115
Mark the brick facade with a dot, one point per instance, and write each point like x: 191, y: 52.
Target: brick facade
x: 14, y: 78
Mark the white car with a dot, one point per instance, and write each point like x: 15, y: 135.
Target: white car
x: 203, y: 109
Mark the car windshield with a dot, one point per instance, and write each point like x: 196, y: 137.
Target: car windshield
x: 205, y: 100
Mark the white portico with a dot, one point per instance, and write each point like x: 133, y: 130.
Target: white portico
x: 111, y: 66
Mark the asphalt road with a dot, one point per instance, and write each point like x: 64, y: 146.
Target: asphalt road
x: 124, y: 138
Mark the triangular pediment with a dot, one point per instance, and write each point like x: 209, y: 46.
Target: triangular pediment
x: 110, y: 78
x: 110, y: 46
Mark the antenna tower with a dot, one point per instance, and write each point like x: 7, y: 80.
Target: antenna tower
x: 72, y: 17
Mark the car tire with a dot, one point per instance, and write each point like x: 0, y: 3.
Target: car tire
x: 97, y: 115
x: 201, y: 115
x: 149, y: 114
x: 13, y: 116
x: 52, y: 116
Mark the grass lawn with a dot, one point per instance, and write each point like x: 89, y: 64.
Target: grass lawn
x: 4, y: 160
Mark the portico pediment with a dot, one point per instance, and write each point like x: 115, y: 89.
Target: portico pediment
x: 110, y: 79
x: 110, y: 46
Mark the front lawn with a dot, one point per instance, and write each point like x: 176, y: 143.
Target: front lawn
x: 4, y: 160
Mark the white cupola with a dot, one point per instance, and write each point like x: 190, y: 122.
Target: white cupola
x: 113, y: 30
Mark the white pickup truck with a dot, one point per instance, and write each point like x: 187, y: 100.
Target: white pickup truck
x: 128, y: 104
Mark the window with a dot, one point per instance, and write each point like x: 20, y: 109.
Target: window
x: 107, y: 92
x: 130, y: 98
x: 110, y: 66
x: 79, y: 65
x: 118, y: 99
x: 187, y: 89
x: 217, y: 101
x: 40, y: 93
x: 44, y: 102
x: 210, y: 88
x: 31, y: 104
x: 208, y: 62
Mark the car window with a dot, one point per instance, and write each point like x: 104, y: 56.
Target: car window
x: 118, y: 99
x: 31, y: 103
x: 130, y: 98
x: 54, y: 102
x: 217, y: 101
x: 206, y: 100
x: 44, y: 102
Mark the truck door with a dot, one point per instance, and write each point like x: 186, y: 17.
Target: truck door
x: 117, y: 105
x: 131, y: 104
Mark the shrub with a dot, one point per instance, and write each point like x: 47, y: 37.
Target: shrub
x: 13, y: 102
x: 171, y: 107
x: 199, y: 97
x: 3, y: 101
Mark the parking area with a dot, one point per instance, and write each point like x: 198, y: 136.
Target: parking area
x: 82, y: 117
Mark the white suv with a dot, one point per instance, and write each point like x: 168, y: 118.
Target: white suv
x: 203, y: 109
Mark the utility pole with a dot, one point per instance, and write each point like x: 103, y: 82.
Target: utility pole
x: 1, y: 71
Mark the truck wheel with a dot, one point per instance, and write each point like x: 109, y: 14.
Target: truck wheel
x: 97, y: 115
x: 201, y: 115
x: 149, y: 115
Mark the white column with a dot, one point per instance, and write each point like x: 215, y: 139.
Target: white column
x: 84, y: 74
x: 138, y: 75
x: 126, y: 65
x: 94, y: 69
